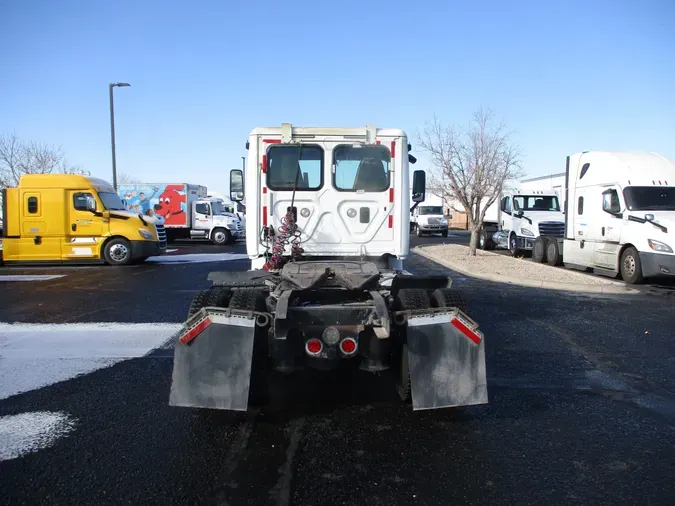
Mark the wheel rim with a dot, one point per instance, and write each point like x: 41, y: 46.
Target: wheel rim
x: 219, y: 236
x: 119, y: 252
x: 629, y: 265
x: 513, y: 244
x: 481, y: 241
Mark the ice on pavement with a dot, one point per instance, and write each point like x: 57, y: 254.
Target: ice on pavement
x: 37, y: 355
x: 29, y: 432
x: 195, y: 258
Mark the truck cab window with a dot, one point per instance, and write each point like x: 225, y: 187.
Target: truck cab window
x: 361, y: 168
x: 202, y: 209
x: 32, y: 205
x: 296, y: 166
x: 80, y: 201
x: 506, y: 204
x: 610, y: 202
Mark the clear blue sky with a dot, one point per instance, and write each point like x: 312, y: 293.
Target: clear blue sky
x: 566, y: 76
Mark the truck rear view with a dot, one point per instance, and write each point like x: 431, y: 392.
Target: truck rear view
x: 328, y: 213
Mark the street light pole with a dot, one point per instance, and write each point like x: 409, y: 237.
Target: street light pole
x: 112, y: 130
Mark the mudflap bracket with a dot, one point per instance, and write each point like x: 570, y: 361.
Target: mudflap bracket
x: 213, y: 356
x: 446, y: 358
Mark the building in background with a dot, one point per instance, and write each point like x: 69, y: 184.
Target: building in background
x: 552, y: 182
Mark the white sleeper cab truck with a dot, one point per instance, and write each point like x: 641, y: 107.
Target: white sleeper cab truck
x: 428, y: 218
x: 328, y: 216
x: 522, y: 221
x: 621, y: 215
x: 185, y: 210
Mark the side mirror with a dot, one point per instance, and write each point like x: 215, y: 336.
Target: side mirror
x: 419, y: 186
x: 91, y: 204
x: 236, y: 185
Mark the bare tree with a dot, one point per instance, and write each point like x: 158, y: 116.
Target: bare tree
x: 471, y: 167
x: 127, y: 179
x: 18, y: 157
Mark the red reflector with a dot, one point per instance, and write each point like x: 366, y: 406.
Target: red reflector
x: 348, y: 346
x: 264, y: 189
x: 391, y: 221
x: 263, y: 165
x: 313, y: 346
x: 466, y: 330
x: 391, y: 194
x: 272, y: 141
x: 393, y: 149
x: 377, y: 142
x: 194, y: 332
x: 264, y: 216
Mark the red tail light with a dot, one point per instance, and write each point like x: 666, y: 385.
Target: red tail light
x: 348, y: 346
x: 313, y: 347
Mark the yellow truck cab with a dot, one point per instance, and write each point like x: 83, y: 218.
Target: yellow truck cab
x: 63, y: 218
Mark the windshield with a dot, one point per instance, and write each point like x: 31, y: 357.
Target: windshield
x: 283, y: 164
x: 217, y: 207
x: 362, y: 168
x: 111, y: 201
x: 649, y: 198
x: 535, y: 203
x: 431, y: 210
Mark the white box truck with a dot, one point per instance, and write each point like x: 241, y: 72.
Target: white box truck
x: 516, y: 220
x: 186, y: 210
x: 621, y: 215
x: 429, y: 218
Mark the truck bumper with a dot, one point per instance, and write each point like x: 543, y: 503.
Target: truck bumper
x: 238, y: 234
x: 140, y: 249
x: 525, y: 242
x: 657, y: 264
x: 432, y: 228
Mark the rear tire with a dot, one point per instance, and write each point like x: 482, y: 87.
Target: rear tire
x: 539, y: 253
x: 448, y: 297
x: 198, y: 302
x: 252, y: 299
x: 407, y: 299
x: 553, y: 255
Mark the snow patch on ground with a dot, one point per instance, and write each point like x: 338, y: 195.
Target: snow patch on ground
x: 29, y: 432
x: 26, y: 277
x: 37, y: 355
x: 195, y: 258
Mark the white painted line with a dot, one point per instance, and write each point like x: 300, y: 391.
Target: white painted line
x: 407, y: 273
x: 37, y: 355
x: 26, y: 277
x: 171, y: 250
x: 29, y: 432
x: 195, y: 258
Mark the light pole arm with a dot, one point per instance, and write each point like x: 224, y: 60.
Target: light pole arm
x: 112, y: 137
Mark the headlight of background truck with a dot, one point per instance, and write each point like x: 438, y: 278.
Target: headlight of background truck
x: 659, y: 246
x: 145, y: 234
x: 524, y: 231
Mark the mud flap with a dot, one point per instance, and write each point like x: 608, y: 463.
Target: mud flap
x: 212, y: 361
x: 446, y: 358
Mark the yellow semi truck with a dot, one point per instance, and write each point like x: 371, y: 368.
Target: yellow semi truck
x: 63, y: 218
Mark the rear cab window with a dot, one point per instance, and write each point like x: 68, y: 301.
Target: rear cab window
x: 362, y: 168
x: 291, y: 164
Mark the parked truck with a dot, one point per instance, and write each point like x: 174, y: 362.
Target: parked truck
x: 62, y: 218
x: 429, y: 218
x: 620, y: 219
x: 185, y: 209
x: 523, y: 221
x: 327, y: 234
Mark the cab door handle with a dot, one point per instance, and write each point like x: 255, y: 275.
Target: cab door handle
x: 603, y: 230
x: 73, y: 227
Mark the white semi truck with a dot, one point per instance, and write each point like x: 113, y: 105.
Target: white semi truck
x: 186, y: 211
x: 621, y: 215
x: 517, y: 220
x: 327, y: 233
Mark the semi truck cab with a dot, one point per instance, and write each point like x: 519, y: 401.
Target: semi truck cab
x: 63, y: 218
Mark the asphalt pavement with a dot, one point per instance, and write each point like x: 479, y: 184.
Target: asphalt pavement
x: 582, y: 404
